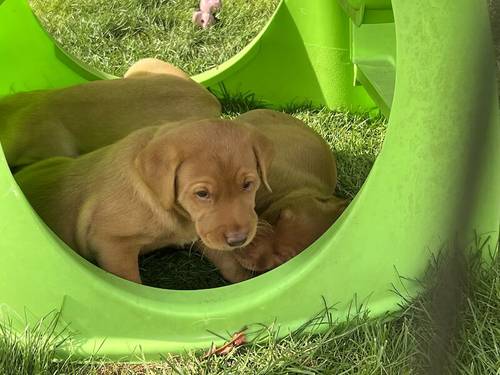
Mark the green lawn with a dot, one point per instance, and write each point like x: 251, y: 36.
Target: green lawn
x: 110, y: 35
x: 394, y: 344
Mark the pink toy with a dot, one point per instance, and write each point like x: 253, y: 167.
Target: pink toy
x: 204, y: 16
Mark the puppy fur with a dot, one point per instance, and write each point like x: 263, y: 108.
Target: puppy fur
x: 142, y: 193
x: 301, y: 205
x: 75, y: 120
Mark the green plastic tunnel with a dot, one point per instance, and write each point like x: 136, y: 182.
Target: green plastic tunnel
x: 416, y: 61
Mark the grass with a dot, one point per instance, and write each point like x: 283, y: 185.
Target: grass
x: 111, y: 35
x: 393, y: 344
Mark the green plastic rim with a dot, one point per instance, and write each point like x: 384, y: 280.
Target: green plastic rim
x: 390, y: 229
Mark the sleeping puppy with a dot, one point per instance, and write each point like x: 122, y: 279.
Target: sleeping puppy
x: 301, y: 205
x: 75, y: 120
x: 159, y: 186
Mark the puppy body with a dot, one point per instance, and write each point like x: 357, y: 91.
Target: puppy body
x: 75, y: 120
x: 96, y: 204
x: 137, y: 195
x: 303, y: 160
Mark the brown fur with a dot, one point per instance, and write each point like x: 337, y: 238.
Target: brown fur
x: 75, y: 120
x: 139, y: 194
x: 301, y: 205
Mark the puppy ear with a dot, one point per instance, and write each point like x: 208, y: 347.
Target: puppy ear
x: 263, y: 149
x: 157, y: 165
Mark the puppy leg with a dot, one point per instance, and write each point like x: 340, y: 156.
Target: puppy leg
x: 227, y: 265
x: 121, y: 262
x: 153, y: 66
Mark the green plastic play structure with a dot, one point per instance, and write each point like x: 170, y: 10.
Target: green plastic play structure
x: 415, y: 60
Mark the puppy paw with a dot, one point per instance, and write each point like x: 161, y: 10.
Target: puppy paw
x: 272, y: 248
x: 258, y: 255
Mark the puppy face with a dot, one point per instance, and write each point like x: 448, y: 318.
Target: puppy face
x: 219, y: 196
x: 211, y: 170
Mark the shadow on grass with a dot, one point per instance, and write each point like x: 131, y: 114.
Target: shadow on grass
x: 179, y: 269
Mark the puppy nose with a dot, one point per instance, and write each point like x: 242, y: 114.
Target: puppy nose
x: 234, y: 239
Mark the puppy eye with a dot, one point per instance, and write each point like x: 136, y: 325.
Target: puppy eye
x: 202, y: 194
x: 247, y: 185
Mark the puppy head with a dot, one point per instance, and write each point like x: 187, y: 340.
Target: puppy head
x: 210, y: 170
x: 296, y: 225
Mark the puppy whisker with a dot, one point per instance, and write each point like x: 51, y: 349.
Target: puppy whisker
x: 192, y: 248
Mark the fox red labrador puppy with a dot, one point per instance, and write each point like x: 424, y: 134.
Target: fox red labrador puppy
x: 75, y: 120
x: 157, y: 187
